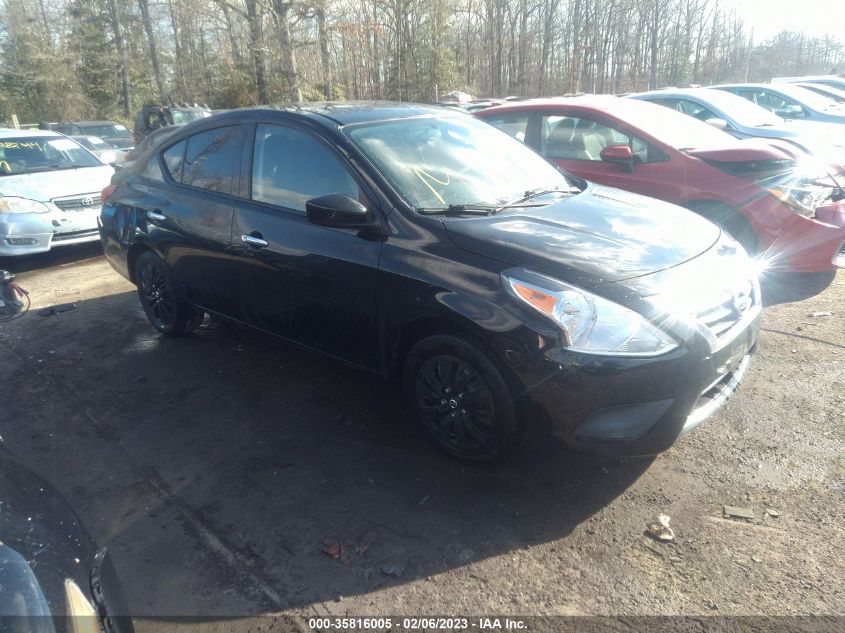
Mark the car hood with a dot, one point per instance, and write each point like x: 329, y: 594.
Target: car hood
x: 825, y: 140
x: 42, y: 543
x: 599, y: 236
x: 46, y: 185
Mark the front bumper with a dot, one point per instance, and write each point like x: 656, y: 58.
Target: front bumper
x: 28, y: 233
x: 791, y: 242
x: 633, y: 406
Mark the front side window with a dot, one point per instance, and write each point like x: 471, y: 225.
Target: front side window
x: 210, y: 159
x: 289, y: 167
x: 697, y: 110
x: 434, y: 162
x: 574, y: 138
x: 515, y: 125
x: 26, y: 155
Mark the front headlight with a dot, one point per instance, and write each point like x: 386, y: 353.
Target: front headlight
x: 13, y: 204
x: 803, y: 199
x: 590, y: 324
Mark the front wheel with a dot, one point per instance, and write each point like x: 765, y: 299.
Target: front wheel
x: 461, y: 398
x: 166, y: 310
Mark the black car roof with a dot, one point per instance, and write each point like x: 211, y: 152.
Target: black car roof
x: 90, y: 123
x: 349, y: 112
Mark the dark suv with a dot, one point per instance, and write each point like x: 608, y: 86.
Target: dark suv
x: 154, y: 117
x: 428, y: 247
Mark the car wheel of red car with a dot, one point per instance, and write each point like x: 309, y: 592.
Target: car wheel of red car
x: 165, y: 308
x: 730, y: 219
x: 461, y: 398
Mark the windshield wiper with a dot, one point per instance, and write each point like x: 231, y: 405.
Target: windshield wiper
x: 531, y: 194
x: 460, y: 209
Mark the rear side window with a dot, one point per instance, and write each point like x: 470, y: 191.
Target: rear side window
x: 516, y: 125
x: 210, y: 159
x: 290, y: 167
x: 174, y: 156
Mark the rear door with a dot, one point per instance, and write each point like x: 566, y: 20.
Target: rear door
x: 188, y: 212
x: 311, y: 284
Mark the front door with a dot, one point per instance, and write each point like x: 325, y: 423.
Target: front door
x: 575, y: 143
x: 310, y: 284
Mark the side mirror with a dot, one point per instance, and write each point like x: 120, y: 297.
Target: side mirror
x: 620, y: 155
x: 337, y: 210
x: 718, y: 123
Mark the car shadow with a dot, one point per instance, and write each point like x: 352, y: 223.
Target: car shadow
x: 308, y: 477
x: 785, y: 287
x: 54, y: 257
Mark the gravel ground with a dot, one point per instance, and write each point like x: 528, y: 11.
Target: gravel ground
x: 218, y: 467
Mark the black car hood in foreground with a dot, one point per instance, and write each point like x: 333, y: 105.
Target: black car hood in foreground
x: 599, y: 236
x: 42, y: 547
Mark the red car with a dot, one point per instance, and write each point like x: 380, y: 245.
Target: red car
x: 778, y: 204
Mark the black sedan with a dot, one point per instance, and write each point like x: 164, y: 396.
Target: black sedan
x: 430, y: 248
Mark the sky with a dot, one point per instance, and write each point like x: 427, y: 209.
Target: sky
x: 813, y: 17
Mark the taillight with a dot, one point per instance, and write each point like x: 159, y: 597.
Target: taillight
x: 107, y: 192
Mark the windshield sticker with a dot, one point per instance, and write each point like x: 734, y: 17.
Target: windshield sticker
x: 120, y: 127
x: 21, y: 145
x: 62, y: 144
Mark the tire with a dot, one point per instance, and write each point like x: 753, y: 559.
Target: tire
x: 461, y: 398
x: 730, y: 219
x: 165, y: 308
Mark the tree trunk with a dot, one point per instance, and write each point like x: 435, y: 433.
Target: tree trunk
x: 123, y: 55
x: 177, y: 48
x: 148, y: 27
x: 282, y: 10
x: 323, y: 35
x: 256, y: 45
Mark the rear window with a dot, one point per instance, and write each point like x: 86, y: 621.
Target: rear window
x: 210, y: 159
x: 515, y: 124
x: 174, y: 156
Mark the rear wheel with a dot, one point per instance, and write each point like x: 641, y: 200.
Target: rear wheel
x: 730, y: 219
x: 166, y: 310
x: 461, y: 398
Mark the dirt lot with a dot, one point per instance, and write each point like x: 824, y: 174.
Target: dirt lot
x: 214, y: 466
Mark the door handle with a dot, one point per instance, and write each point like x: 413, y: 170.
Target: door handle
x: 255, y: 240
x: 155, y: 216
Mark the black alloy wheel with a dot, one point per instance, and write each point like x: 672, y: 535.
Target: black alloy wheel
x: 156, y: 296
x: 461, y: 398
x: 455, y: 404
x: 166, y: 310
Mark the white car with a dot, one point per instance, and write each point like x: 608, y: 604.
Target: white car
x: 49, y: 192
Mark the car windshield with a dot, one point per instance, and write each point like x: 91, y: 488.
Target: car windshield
x: 92, y: 142
x: 807, y: 97
x: 109, y: 132
x: 186, y: 116
x: 837, y: 94
x: 741, y: 110
x: 25, y: 155
x: 669, y: 126
x: 454, y: 160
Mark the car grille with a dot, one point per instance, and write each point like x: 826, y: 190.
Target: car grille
x: 723, y: 317
x: 75, y: 235
x: 78, y: 203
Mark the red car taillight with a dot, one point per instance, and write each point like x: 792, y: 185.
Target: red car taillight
x: 107, y: 192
